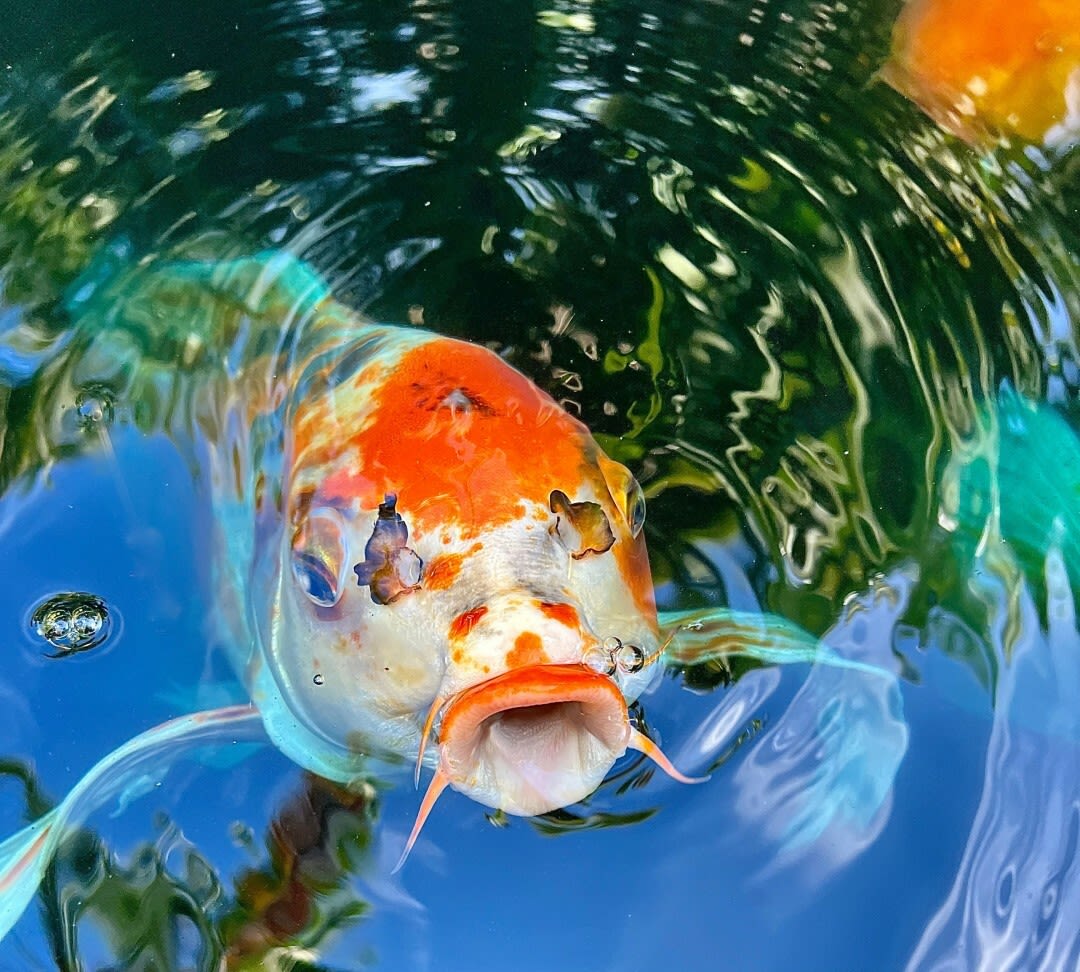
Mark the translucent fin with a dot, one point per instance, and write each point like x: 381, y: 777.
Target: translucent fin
x: 272, y: 284
x: 121, y: 777
x: 699, y: 637
x: 830, y: 759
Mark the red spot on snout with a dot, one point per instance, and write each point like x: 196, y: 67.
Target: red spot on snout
x: 528, y: 650
x: 563, y: 613
x: 442, y: 571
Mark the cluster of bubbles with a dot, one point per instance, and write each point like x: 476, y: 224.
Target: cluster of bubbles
x: 612, y: 654
x: 72, y: 622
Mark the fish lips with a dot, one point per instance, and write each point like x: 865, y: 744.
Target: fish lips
x: 534, y: 739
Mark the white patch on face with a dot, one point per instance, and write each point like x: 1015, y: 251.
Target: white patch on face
x: 383, y: 665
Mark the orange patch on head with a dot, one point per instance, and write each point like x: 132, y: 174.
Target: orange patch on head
x: 318, y: 424
x: 440, y: 573
x: 462, y: 438
x: 443, y: 570
x: 632, y: 558
x: 465, y: 622
x: 528, y: 650
x: 562, y: 613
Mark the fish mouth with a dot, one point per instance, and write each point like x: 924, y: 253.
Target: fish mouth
x: 534, y: 739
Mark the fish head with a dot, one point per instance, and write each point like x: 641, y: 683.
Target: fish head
x: 464, y: 559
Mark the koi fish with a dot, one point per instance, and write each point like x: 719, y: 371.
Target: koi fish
x: 1011, y: 66
x: 417, y: 554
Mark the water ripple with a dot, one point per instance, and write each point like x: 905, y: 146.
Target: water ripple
x: 1017, y: 890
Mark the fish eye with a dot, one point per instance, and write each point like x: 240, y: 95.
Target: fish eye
x: 634, y: 507
x: 319, y: 557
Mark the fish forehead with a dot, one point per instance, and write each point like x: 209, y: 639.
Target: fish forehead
x: 458, y: 435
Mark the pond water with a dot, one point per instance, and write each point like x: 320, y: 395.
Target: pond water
x: 835, y: 343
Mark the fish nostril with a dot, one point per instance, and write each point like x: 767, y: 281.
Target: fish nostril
x: 582, y: 528
x: 389, y: 568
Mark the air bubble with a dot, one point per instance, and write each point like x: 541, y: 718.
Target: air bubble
x: 94, y: 408
x: 630, y: 659
x: 599, y: 660
x: 72, y: 622
x: 86, y: 622
x: 54, y: 626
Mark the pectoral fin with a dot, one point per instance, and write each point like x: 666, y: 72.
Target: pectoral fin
x: 700, y: 637
x: 831, y: 757
x: 122, y: 776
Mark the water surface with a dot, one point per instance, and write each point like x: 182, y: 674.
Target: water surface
x: 770, y: 286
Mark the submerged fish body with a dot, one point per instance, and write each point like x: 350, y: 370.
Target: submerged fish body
x: 417, y: 555
x: 1006, y: 65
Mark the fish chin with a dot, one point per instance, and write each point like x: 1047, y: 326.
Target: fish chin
x: 534, y: 739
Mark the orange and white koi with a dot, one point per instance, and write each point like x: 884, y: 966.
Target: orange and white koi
x: 411, y: 539
x: 417, y: 554
x: 460, y: 550
x: 999, y: 64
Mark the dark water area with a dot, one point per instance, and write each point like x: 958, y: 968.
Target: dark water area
x: 836, y: 345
